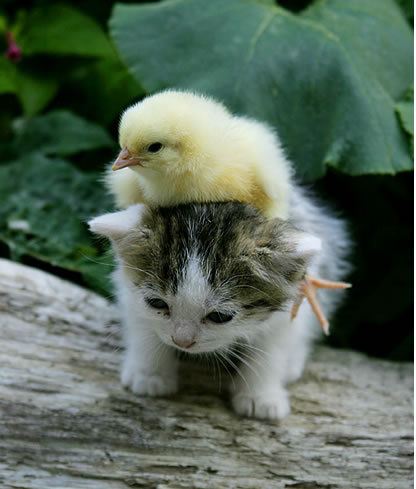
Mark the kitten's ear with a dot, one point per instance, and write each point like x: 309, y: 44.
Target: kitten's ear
x: 116, y: 224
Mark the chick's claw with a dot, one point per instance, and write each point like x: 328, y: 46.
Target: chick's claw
x: 308, y: 289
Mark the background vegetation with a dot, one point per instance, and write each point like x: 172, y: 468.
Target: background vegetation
x: 334, y: 77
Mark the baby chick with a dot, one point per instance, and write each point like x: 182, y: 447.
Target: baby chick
x: 179, y: 147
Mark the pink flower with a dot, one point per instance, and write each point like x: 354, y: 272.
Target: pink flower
x: 14, y: 51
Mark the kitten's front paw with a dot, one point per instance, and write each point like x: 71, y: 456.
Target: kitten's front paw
x: 149, y: 384
x: 265, y: 405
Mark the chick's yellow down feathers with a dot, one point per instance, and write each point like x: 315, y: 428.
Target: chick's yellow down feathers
x: 179, y: 147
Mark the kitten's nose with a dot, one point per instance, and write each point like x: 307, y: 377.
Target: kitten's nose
x: 183, y: 343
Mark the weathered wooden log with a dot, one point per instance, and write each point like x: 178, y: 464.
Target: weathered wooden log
x: 66, y: 422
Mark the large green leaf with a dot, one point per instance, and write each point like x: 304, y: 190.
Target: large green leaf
x: 405, y: 111
x: 59, y: 132
x: 408, y: 8
x: 45, y: 205
x: 326, y: 78
x: 61, y: 29
x: 105, y: 87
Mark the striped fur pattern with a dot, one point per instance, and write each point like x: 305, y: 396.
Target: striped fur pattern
x: 249, y: 262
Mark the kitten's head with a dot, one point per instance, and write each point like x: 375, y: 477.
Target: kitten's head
x: 206, y: 275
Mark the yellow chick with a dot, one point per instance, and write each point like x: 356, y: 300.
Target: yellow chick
x: 179, y: 147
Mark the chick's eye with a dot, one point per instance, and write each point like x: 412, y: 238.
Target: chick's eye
x: 157, y: 303
x: 219, y: 317
x: 155, y: 147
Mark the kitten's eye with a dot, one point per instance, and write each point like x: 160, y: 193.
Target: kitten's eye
x: 220, y: 317
x: 157, y: 303
x: 155, y: 147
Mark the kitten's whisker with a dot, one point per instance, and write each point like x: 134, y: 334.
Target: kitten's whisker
x: 246, y: 286
x: 238, y: 370
x: 215, y: 365
x: 97, y: 262
x: 248, y: 365
x: 222, y: 359
x: 254, y: 349
x: 130, y: 266
x: 256, y: 359
x: 113, y: 298
x: 158, y: 352
x: 219, y: 372
x: 110, y: 335
x: 225, y: 282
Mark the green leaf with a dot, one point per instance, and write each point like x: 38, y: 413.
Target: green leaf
x: 34, y: 90
x: 106, y: 80
x: 407, y: 7
x: 3, y: 24
x: 46, y: 203
x: 405, y: 111
x: 326, y: 78
x: 61, y: 29
x: 7, y: 76
x: 59, y: 132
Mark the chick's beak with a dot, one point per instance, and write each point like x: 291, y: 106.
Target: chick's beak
x: 124, y: 159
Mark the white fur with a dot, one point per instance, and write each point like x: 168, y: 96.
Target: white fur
x: 277, y: 348
x: 309, y: 244
x: 148, y: 367
x: 116, y: 224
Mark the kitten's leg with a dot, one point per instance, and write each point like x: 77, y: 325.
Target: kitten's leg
x: 277, y: 357
x: 306, y: 330
x: 149, y: 366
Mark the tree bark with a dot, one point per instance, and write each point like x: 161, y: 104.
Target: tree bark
x: 66, y: 422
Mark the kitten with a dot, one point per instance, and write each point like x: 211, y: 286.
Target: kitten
x: 203, y: 277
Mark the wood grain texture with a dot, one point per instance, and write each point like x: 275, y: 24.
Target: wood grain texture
x: 66, y: 422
